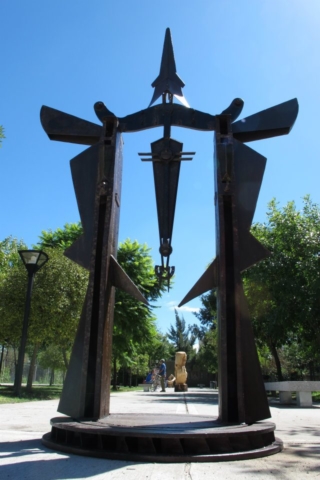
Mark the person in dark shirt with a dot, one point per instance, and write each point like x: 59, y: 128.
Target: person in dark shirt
x: 149, y: 377
x: 162, y: 373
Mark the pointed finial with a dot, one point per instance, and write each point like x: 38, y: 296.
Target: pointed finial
x: 168, y: 81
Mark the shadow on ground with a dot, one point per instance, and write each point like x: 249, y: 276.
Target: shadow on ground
x: 24, y: 459
x: 275, y: 402
x: 194, y: 397
x: 301, y: 431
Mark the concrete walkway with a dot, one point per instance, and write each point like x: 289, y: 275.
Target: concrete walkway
x: 23, y: 457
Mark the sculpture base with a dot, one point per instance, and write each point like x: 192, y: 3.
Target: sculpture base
x: 162, y: 438
x: 181, y: 387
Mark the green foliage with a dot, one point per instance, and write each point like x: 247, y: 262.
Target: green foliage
x: 57, y: 297
x: 207, y: 356
x: 51, y: 357
x: 159, y: 347
x: 2, y: 136
x: 137, y: 262
x: 207, y: 314
x: 181, y: 336
x: 9, y: 256
x: 283, y: 290
x: 61, y: 237
x: 134, y: 323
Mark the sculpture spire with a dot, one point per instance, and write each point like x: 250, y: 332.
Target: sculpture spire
x: 168, y: 81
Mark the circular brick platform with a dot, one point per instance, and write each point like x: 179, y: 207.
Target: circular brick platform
x: 162, y: 438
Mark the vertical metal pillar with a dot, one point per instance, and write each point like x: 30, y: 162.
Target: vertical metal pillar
x: 89, y: 372
x: 238, y: 176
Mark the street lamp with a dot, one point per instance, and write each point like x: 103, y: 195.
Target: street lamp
x: 33, y: 260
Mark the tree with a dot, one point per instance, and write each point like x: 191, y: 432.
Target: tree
x: 207, y: 314
x: 50, y: 357
x: 158, y: 348
x: 181, y: 336
x: 9, y: 255
x: 58, y: 295
x: 207, y: 356
x: 57, y: 298
x: 283, y: 290
x: 1, y: 134
x: 134, y: 323
x: 61, y: 237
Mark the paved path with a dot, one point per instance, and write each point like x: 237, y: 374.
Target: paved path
x: 23, y: 457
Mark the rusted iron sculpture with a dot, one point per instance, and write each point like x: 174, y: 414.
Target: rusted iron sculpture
x: 166, y: 155
x: 97, y: 181
x: 96, y: 175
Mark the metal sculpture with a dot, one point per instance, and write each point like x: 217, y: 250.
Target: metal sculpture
x: 96, y: 175
x: 238, y: 177
x: 168, y: 83
x: 97, y: 180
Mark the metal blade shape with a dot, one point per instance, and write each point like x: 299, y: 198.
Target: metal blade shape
x: 121, y: 280
x: 206, y: 282
x: 68, y: 128
x: 166, y: 177
x: 272, y: 122
x: 84, y: 170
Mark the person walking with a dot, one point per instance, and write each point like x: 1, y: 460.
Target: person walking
x: 162, y: 374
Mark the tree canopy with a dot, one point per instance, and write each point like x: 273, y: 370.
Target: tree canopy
x: 9, y: 255
x: 2, y: 136
x: 58, y: 294
x: 207, y: 357
x: 283, y: 290
x: 282, y: 293
x: 57, y: 297
x: 181, y: 336
x: 134, y: 323
x: 61, y: 237
x: 207, y: 314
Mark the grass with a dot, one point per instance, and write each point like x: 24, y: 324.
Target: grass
x: 41, y: 392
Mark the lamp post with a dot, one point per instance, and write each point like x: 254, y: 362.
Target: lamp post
x: 33, y: 260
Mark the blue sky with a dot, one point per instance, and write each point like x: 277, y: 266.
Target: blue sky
x: 70, y: 54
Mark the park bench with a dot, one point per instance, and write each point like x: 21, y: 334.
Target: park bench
x: 146, y: 386
x: 303, y: 391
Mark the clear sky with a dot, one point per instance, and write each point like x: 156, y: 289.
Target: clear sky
x: 70, y: 54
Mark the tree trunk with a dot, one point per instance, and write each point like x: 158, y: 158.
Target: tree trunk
x: 114, y: 373
x: 15, y: 366
x: 277, y: 360
x: 311, y: 370
x: 32, y: 368
x: 130, y: 378
x: 52, y: 377
x: 65, y: 359
x: 1, y: 359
